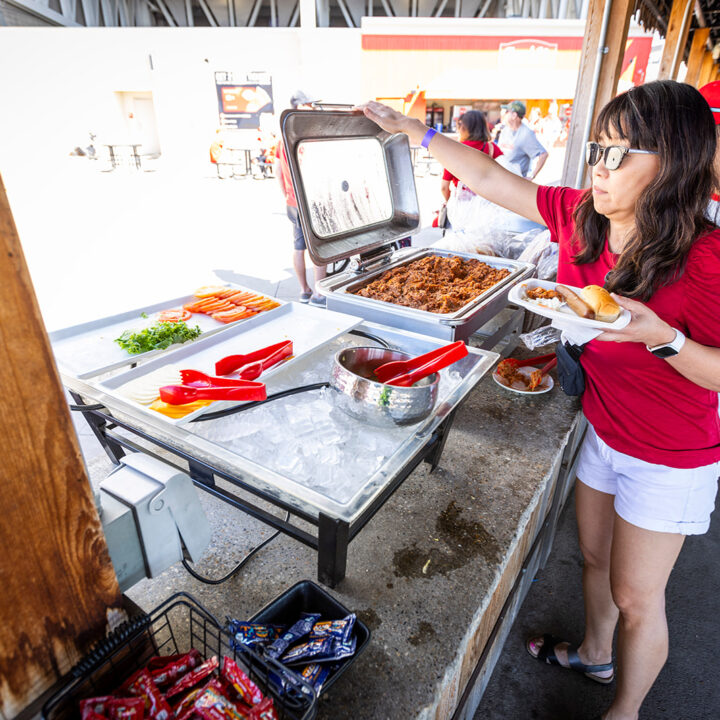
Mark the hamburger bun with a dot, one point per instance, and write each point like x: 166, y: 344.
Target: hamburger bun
x: 600, y: 300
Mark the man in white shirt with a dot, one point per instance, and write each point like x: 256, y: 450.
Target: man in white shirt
x: 518, y: 141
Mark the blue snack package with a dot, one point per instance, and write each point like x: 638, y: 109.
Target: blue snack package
x: 316, y: 675
x: 251, y: 634
x: 310, y: 649
x: 337, y: 629
x: 296, y: 632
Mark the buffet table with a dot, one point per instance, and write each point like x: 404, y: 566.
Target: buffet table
x: 439, y: 574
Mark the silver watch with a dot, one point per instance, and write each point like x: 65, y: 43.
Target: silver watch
x: 670, y: 349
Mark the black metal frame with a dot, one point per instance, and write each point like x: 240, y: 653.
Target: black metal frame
x: 333, y: 535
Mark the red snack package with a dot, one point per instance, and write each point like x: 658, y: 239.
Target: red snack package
x: 96, y: 706
x: 132, y: 708
x: 213, y: 705
x: 245, y: 687
x: 156, y: 706
x: 186, y: 709
x: 264, y: 711
x: 166, y: 670
x: 193, y: 677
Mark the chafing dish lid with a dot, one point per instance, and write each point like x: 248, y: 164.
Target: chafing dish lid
x: 353, y: 181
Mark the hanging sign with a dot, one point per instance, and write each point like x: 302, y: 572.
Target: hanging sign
x: 242, y: 99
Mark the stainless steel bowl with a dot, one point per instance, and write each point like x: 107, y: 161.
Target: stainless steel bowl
x: 373, y: 402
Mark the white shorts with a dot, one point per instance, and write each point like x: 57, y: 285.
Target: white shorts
x: 653, y: 497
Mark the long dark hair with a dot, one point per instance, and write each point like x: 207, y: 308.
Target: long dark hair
x: 674, y: 120
x: 475, y: 122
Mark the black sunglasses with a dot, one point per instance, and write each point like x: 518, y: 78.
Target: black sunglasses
x: 613, y: 155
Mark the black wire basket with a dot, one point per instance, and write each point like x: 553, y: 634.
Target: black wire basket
x: 177, y: 626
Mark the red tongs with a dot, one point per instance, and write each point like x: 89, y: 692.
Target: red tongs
x: 183, y: 394
x: 548, y: 362
x: 404, y: 373
x: 252, y: 365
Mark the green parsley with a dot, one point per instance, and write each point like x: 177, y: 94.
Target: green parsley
x: 157, y: 337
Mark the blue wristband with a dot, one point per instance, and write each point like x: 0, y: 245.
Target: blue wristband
x: 429, y: 135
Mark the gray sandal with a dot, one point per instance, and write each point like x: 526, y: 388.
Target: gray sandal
x: 547, y: 655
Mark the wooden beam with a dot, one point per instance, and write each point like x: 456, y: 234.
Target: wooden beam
x: 698, y: 47
x: 611, y: 64
x: 707, y: 69
x: 57, y: 578
x: 675, y: 39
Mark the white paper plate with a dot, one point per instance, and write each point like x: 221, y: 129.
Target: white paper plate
x: 546, y: 385
x: 564, y: 314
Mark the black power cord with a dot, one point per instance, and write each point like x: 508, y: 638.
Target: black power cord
x: 251, y: 405
x: 238, y: 567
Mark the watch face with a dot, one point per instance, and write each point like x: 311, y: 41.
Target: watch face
x: 665, y: 352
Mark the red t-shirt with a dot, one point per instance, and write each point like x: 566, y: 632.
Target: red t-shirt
x: 489, y: 148
x: 283, y: 176
x: 638, y: 403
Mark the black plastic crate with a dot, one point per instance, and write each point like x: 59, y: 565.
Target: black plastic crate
x: 308, y: 597
x: 176, y: 626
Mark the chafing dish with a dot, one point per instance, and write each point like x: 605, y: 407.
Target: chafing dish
x: 356, y: 195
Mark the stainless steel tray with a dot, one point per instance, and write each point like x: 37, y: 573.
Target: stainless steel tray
x: 89, y: 349
x: 458, y: 325
x: 308, y: 328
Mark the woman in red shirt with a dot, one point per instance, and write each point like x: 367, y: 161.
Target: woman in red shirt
x: 473, y: 131
x: 649, y: 465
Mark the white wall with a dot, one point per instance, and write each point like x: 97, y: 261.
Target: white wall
x: 56, y: 85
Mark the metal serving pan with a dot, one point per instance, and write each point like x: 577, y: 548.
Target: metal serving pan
x: 458, y: 325
x: 89, y: 349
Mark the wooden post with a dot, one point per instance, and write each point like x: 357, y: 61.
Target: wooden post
x: 707, y: 69
x: 675, y: 39
x: 55, y: 571
x: 615, y: 42
x: 698, y: 47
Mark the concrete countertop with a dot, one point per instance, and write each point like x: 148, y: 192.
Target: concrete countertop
x: 423, y: 570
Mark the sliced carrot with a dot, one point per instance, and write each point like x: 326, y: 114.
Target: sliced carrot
x: 209, y: 290
x: 228, y: 317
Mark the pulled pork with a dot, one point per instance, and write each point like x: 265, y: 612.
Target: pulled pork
x: 434, y: 283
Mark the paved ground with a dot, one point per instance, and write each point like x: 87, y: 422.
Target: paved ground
x: 688, y: 687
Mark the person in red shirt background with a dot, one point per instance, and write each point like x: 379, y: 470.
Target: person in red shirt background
x: 711, y: 93
x: 473, y: 131
x: 648, y: 468
x: 299, y: 101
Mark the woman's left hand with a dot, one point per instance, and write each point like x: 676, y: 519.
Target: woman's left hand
x: 644, y: 327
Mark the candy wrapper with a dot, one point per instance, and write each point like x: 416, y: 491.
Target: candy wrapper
x: 142, y: 685
x: 296, y: 632
x: 212, y: 704
x: 337, y: 629
x: 308, y: 650
x: 264, y: 711
x: 126, y: 708
x: 167, y: 669
x: 193, y: 677
x: 243, y: 685
x: 96, y: 706
x: 186, y: 708
x: 251, y: 634
x: 315, y: 675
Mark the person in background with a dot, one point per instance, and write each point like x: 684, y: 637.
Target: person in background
x: 299, y: 101
x: 711, y: 93
x: 518, y: 141
x: 648, y: 468
x: 473, y: 130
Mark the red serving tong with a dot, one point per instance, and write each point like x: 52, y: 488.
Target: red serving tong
x: 183, y: 394
x: 539, y: 360
x: 404, y: 373
x: 251, y: 365
x: 536, y: 376
x: 195, y: 378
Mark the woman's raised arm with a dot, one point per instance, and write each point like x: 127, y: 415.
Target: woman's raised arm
x: 478, y: 171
